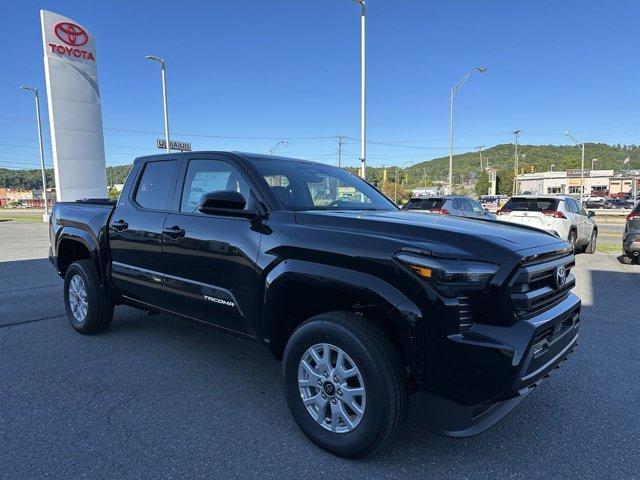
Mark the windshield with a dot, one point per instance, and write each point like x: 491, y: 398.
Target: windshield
x: 424, y: 204
x: 531, y: 204
x: 301, y: 185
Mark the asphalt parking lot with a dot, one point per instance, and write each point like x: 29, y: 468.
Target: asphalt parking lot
x: 155, y: 397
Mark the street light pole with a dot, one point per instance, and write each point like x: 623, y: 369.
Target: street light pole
x: 453, y: 93
x: 581, y: 145
x: 164, y: 98
x: 516, y: 164
x: 363, y: 88
x: 45, y: 217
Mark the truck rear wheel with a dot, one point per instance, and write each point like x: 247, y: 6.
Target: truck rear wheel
x: 344, y: 383
x: 89, y: 307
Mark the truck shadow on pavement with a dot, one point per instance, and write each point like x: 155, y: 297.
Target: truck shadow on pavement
x: 159, y: 392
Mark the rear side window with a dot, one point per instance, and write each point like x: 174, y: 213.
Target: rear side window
x: 424, y: 204
x: 531, y: 204
x: 155, y: 183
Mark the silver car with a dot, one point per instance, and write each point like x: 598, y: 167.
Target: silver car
x: 457, y: 205
x: 561, y: 215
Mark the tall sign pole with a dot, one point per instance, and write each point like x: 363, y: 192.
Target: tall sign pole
x: 75, y: 112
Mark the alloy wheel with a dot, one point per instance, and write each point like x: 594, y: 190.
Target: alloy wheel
x: 331, y: 388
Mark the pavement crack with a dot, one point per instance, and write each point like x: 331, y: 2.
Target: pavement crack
x: 32, y: 320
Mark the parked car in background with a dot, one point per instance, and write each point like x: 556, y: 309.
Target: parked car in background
x: 593, y: 203
x: 492, y: 202
x: 618, y: 203
x: 457, y: 205
x: 631, y: 237
x: 560, y: 214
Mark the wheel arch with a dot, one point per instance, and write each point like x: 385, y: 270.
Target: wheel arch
x: 297, y: 290
x: 76, y: 244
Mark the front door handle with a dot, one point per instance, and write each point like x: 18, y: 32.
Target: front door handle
x: 120, y: 225
x: 173, y: 232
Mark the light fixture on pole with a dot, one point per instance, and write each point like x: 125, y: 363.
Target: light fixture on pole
x: 45, y: 217
x: 363, y: 88
x: 281, y: 143
x: 581, y: 145
x: 164, y: 98
x: 454, y: 90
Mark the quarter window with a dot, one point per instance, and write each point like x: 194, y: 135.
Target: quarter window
x: 154, y: 186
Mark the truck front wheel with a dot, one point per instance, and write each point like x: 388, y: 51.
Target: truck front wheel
x: 344, y: 383
x: 89, y: 307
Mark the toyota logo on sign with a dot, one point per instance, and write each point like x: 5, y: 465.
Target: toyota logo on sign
x: 71, y: 34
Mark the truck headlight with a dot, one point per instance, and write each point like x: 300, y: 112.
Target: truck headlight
x: 450, y: 276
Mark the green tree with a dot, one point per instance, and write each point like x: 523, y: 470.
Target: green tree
x: 505, y: 182
x: 482, y: 185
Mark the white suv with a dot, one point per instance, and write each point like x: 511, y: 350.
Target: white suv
x: 558, y: 214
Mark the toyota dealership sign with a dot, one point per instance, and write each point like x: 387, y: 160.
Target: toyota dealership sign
x: 75, y: 113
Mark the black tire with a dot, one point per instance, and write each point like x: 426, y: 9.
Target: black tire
x: 99, y: 306
x: 593, y: 243
x: 385, y: 382
x: 628, y: 259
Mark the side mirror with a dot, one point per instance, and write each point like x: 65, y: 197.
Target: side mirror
x: 591, y: 213
x: 224, y: 202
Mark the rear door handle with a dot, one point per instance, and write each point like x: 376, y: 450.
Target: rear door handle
x: 173, y: 232
x: 120, y: 225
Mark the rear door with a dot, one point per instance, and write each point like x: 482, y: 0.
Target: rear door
x: 573, y: 215
x: 135, y: 231
x: 210, y: 260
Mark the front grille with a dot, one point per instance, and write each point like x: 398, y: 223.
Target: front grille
x: 535, y: 288
x: 465, y: 313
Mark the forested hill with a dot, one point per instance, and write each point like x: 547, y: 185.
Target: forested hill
x: 540, y: 157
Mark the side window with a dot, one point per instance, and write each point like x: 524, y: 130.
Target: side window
x: 455, y: 203
x: 476, y: 207
x: 205, y: 176
x: 154, y: 186
x: 572, y: 205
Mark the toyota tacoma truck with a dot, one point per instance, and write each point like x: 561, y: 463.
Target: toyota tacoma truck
x: 365, y: 305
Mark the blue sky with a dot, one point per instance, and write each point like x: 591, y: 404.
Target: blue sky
x: 290, y: 69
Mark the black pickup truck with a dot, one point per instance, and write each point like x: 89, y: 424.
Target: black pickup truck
x: 364, y: 304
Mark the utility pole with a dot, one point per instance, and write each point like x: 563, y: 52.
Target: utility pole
x: 480, y: 149
x: 340, y: 143
x: 515, y: 178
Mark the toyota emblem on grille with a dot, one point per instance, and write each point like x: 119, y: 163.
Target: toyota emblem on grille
x: 561, y: 276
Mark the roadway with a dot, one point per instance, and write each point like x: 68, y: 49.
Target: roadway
x: 155, y: 397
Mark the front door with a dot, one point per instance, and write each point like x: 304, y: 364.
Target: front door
x: 135, y: 231
x: 209, y: 259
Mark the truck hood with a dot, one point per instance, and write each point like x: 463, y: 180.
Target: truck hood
x: 443, y: 235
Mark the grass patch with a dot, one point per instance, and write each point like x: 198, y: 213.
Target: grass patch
x: 21, y: 218
x: 609, y: 248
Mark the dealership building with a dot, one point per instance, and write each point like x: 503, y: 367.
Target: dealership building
x: 568, y: 182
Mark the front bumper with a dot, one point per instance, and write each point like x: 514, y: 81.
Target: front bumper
x: 533, y: 349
